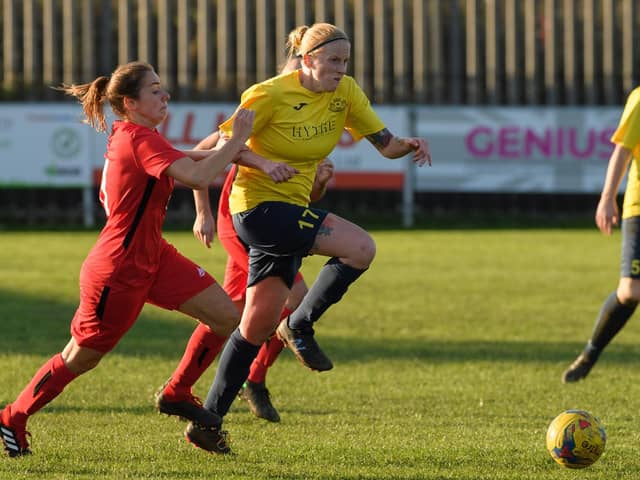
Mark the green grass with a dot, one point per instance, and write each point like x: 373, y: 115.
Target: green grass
x: 448, y: 355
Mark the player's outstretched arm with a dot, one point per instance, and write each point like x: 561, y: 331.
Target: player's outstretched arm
x: 607, y: 214
x: 202, y: 149
x: 391, y: 146
x: 278, y: 171
x: 204, y: 226
x: 199, y: 174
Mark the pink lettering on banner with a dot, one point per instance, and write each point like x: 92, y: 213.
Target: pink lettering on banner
x: 534, y: 142
x: 508, y: 142
x: 516, y: 143
x: 478, y: 142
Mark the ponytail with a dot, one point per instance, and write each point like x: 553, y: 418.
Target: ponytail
x: 294, y: 41
x: 92, y: 97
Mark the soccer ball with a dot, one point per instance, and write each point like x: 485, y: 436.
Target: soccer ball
x: 576, y: 439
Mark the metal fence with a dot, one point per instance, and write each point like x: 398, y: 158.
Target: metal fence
x: 494, y: 52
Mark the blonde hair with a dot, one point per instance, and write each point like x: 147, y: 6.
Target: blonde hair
x: 303, y: 40
x: 125, y: 81
x: 290, y: 64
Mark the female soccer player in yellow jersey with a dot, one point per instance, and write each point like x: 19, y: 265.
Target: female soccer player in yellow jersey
x: 620, y: 304
x: 300, y: 117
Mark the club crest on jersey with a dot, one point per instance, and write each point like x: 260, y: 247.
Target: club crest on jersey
x: 338, y: 104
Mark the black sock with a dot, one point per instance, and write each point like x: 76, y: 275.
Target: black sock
x: 332, y: 283
x: 612, y: 317
x: 233, y: 370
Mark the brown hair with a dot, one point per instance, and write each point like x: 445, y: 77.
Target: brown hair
x: 303, y: 40
x: 125, y: 81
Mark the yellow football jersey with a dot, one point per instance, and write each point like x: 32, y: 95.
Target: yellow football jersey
x: 628, y: 135
x: 299, y: 127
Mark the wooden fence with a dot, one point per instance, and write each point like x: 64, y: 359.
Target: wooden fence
x: 494, y: 52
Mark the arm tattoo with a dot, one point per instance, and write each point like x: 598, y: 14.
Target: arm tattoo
x: 380, y: 139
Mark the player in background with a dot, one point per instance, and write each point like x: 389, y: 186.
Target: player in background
x: 620, y: 304
x: 131, y: 263
x: 300, y: 117
x: 204, y: 345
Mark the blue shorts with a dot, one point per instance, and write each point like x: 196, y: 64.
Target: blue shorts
x: 279, y: 235
x: 630, y: 258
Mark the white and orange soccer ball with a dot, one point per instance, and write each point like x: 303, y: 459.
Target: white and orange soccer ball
x: 576, y: 439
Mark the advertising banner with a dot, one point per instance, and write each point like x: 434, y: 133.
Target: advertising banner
x: 44, y: 145
x: 516, y: 150
x: 358, y: 165
x: 474, y: 149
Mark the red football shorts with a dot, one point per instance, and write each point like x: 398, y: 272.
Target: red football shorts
x: 107, y: 311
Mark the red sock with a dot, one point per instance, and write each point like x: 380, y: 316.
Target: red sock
x: 46, y: 384
x: 201, y: 350
x: 267, y: 355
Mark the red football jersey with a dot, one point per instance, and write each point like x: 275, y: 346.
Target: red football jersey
x: 134, y: 193
x: 224, y: 224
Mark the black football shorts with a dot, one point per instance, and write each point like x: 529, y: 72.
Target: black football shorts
x: 630, y: 258
x: 279, y: 235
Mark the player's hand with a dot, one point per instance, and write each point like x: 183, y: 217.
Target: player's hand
x: 279, y: 171
x: 324, y: 171
x: 421, y: 154
x: 243, y: 123
x: 204, y: 228
x: 607, y: 215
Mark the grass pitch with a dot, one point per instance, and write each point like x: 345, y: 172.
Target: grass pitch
x: 448, y: 354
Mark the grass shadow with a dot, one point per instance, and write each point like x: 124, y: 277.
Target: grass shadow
x: 40, y: 326
x: 33, y: 325
x: 434, y: 351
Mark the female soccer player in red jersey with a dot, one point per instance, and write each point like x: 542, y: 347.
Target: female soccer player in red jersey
x: 131, y: 263
x: 300, y: 117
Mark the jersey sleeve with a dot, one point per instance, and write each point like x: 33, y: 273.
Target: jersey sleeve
x: 154, y: 153
x: 628, y: 132
x: 362, y: 120
x: 255, y: 98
